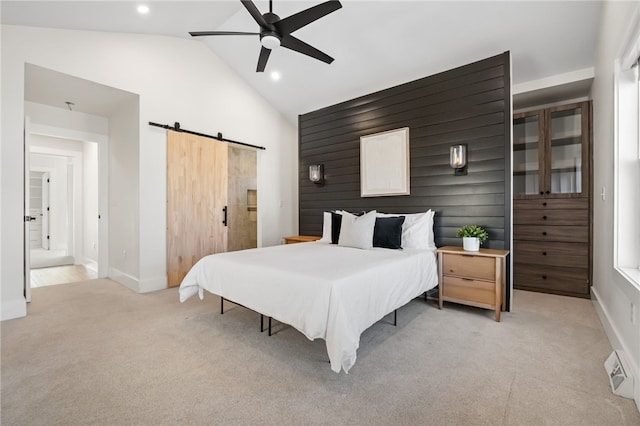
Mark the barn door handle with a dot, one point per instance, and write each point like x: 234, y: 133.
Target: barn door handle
x: 224, y: 221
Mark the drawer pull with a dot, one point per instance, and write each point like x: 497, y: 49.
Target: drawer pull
x: 467, y: 279
x: 541, y: 192
x: 547, y: 192
x: 544, y: 277
x: 544, y: 232
x: 544, y: 204
x: 544, y: 217
x: 544, y: 253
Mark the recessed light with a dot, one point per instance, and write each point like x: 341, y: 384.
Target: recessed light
x: 143, y: 9
x: 275, y: 76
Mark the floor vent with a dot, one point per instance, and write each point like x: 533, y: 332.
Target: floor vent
x: 621, y: 381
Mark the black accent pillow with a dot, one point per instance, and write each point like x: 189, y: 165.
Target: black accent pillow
x: 336, y: 224
x: 387, y: 232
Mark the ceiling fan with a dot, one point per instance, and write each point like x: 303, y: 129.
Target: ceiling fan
x: 276, y: 32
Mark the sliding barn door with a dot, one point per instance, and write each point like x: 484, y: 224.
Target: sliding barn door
x: 196, y: 201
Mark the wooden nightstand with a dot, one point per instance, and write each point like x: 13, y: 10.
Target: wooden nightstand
x: 300, y: 239
x: 475, y: 278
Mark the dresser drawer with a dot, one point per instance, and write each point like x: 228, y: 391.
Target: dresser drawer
x: 570, y: 234
x: 570, y: 255
x: 552, y: 204
x: 552, y: 278
x: 469, y: 266
x: 551, y: 217
x: 481, y: 293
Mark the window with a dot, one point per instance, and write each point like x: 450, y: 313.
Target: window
x: 627, y: 162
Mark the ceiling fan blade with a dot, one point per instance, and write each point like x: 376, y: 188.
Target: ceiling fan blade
x: 290, y: 42
x: 253, y: 10
x: 262, y: 60
x: 214, y: 33
x: 300, y: 19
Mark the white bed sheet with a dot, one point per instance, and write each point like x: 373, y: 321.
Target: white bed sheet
x: 323, y: 290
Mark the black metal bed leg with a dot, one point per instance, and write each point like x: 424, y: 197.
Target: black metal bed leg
x: 221, y: 305
x: 269, y: 326
x: 425, y: 296
x: 395, y: 317
x: 261, y: 323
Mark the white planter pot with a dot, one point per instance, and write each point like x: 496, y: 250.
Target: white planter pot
x: 471, y: 243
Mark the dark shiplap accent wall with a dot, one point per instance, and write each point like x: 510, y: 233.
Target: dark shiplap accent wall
x: 469, y: 104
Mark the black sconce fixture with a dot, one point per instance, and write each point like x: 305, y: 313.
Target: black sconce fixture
x: 458, y: 159
x: 316, y: 174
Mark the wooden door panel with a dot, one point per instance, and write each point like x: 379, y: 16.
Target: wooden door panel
x: 196, y: 196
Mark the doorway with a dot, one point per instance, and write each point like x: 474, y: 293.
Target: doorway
x: 62, y: 204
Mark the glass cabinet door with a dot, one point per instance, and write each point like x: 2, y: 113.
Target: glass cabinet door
x: 527, y: 173
x: 565, y: 156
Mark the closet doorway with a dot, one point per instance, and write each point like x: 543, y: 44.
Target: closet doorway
x: 211, y: 200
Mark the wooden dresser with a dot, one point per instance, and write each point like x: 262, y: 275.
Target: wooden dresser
x: 552, y: 200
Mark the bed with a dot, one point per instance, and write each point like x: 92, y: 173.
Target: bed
x: 324, y: 290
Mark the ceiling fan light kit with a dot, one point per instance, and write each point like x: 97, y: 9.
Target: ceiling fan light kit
x: 270, y: 41
x: 276, y: 32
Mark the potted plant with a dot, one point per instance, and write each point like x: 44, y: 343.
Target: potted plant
x: 472, y: 236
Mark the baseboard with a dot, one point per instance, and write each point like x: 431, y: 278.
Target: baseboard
x: 126, y: 280
x: 153, y: 284
x: 617, y: 343
x: 13, y: 309
x: 139, y: 286
x: 90, y: 264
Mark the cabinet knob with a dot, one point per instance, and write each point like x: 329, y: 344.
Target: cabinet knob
x: 544, y: 232
x: 547, y: 192
x: 544, y: 217
x: 544, y: 253
x: 544, y: 204
x: 544, y: 277
x: 541, y: 192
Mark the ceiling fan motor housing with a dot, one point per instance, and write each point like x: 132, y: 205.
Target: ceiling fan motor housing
x: 269, y: 38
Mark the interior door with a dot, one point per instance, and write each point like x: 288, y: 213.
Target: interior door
x: 197, y: 182
x: 27, y: 216
x: 45, y: 211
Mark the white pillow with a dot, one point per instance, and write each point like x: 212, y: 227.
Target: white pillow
x: 326, y: 225
x: 326, y: 228
x: 357, y: 231
x: 417, y: 230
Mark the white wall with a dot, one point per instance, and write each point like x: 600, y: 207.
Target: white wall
x: 177, y: 80
x: 613, y: 295
x: 124, y: 195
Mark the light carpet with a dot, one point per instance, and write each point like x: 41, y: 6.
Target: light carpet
x: 97, y: 353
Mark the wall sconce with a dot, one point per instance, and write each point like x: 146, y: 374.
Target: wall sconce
x: 316, y: 174
x: 458, y: 159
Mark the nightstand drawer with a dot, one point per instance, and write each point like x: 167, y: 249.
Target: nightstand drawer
x: 469, y: 290
x: 469, y: 266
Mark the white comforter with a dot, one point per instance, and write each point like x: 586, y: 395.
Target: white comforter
x: 323, y: 290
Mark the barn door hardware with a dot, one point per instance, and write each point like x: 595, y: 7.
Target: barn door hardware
x: 224, y: 221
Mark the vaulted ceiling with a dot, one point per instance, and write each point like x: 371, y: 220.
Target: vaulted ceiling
x: 376, y: 44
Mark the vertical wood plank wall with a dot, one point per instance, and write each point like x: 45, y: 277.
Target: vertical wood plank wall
x: 196, y: 194
x: 470, y: 104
